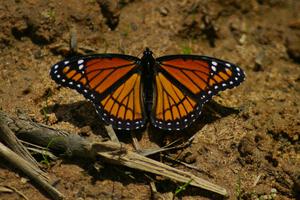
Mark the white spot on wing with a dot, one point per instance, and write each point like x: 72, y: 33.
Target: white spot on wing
x: 80, y: 61
x: 80, y: 67
x: 66, y: 62
x: 214, y: 63
x: 55, y: 66
x: 214, y: 68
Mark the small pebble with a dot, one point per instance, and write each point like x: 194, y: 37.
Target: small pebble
x: 163, y: 11
x: 273, y: 190
x: 24, y: 180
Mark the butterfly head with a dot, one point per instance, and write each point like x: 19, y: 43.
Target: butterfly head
x: 147, y: 52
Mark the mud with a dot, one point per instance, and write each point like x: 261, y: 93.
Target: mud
x: 246, y: 140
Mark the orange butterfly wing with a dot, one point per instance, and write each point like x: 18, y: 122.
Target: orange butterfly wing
x: 111, y: 81
x: 184, y: 83
x: 173, y: 109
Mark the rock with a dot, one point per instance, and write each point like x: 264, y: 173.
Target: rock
x: 294, y: 24
x: 293, y: 46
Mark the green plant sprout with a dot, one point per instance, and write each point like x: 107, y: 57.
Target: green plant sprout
x: 45, y: 157
x: 186, y: 50
x: 182, y: 188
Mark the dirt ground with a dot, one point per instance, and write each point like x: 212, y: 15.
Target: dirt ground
x: 247, y: 139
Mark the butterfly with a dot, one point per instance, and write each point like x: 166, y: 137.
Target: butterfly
x: 127, y: 91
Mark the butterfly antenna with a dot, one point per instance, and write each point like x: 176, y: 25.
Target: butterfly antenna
x: 139, y: 55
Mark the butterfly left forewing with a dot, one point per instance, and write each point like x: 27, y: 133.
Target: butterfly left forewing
x: 104, y: 79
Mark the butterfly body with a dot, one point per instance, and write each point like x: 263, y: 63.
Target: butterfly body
x: 147, y: 63
x: 128, y: 92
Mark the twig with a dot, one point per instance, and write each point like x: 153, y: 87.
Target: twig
x: 256, y: 180
x: 29, y: 170
x: 5, y: 189
x: 11, y: 140
x: 135, y: 142
x: 111, y: 133
x: 43, y: 152
x: 13, y: 189
x: 38, y: 149
x: 183, y: 163
x: 148, y: 152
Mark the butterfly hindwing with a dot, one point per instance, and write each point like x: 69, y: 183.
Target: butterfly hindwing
x: 109, y: 81
x: 123, y: 107
x: 173, y: 109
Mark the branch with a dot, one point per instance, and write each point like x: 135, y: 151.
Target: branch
x: 29, y: 170
x: 112, y: 152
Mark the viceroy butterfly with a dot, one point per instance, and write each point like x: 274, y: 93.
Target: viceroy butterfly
x: 168, y: 91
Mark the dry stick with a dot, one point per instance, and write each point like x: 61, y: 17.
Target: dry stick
x: 29, y: 170
x: 110, y: 151
x: 5, y: 189
x: 11, y: 140
x: 12, y: 189
x: 9, y: 137
x: 111, y: 133
x: 171, y: 146
x: 135, y: 142
x: 35, y: 149
x: 137, y: 161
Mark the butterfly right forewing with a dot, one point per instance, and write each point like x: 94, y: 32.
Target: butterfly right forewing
x: 184, y: 83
